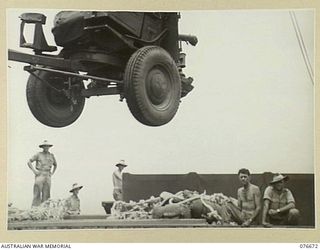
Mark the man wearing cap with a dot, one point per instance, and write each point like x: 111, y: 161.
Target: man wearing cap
x: 117, y: 181
x: 45, y: 167
x: 73, y: 202
x: 279, y: 204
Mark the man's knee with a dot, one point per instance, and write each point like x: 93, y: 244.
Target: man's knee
x: 294, y: 212
x: 36, y: 191
x: 294, y: 215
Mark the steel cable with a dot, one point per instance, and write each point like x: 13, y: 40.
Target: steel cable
x: 302, y: 45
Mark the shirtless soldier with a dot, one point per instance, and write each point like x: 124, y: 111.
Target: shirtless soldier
x: 249, y: 199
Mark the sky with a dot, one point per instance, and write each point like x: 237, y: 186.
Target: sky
x: 252, y: 106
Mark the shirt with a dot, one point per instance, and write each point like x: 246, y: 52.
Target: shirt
x: 278, y: 200
x: 44, y: 161
x: 117, y: 179
x: 73, y: 205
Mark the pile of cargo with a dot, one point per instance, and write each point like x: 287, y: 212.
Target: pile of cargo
x: 185, y: 204
x: 134, y: 210
x: 48, y: 210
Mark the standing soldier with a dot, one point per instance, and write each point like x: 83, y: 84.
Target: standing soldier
x: 117, y: 181
x: 43, y: 172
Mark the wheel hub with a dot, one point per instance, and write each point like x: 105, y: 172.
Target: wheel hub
x: 158, y: 86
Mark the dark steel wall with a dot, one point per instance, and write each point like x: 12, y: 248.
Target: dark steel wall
x: 137, y: 187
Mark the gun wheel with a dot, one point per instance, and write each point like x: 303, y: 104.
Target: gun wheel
x: 152, y: 86
x: 49, y: 104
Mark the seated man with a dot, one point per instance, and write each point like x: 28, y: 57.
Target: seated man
x: 249, y: 201
x: 72, y: 204
x: 279, y: 204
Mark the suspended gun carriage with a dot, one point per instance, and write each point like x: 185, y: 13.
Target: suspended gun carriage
x: 136, y: 55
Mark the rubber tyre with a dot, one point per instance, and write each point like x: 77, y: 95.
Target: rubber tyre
x: 152, y: 86
x: 49, y: 106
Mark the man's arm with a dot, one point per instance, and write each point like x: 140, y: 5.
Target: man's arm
x: 116, y: 178
x: 239, y: 200
x: 29, y: 163
x: 118, y: 175
x: 266, y: 205
x: 257, y: 202
x: 54, y: 165
x: 267, y: 197
x: 286, y: 207
x: 291, y: 203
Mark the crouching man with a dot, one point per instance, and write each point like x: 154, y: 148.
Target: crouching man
x: 73, y: 202
x: 279, y: 204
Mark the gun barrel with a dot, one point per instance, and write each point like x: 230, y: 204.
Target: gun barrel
x: 193, y: 40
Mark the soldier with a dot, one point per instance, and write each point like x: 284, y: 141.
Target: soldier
x: 249, y: 201
x: 279, y: 204
x: 73, y: 202
x: 117, y: 181
x: 43, y: 172
x: 249, y: 198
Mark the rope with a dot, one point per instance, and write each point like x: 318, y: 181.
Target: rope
x: 302, y: 45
